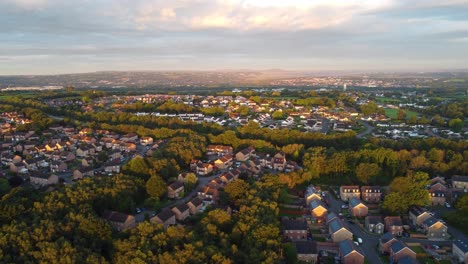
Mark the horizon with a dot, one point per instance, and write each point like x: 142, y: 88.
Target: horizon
x: 52, y: 37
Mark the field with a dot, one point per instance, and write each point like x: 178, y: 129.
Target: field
x: 392, y: 113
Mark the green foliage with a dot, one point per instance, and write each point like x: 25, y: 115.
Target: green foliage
x: 4, y: 186
x: 456, y: 124
x: 156, y: 187
x: 365, y: 171
x: 290, y: 253
x: 406, y: 192
x: 278, y: 115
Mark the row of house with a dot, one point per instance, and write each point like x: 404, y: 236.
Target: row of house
x: 180, y: 212
x: 369, y: 194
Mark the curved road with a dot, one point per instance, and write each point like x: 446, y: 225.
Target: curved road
x: 368, y: 130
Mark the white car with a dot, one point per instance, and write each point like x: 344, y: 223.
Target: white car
x: 359, y: 240
x: 447, y: 205
x: 344, y: 206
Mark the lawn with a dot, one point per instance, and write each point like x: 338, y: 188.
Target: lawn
x: 418, y: 249
x: 392, y: 113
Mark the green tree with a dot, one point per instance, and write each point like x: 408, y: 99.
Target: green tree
x: 236, y: 190
x: 155, y: 186
x: 401, y: 115
x: 406, y: 192
x: 456, y: 124
x: 290, y: 253
x: 365, y: 171
x: 4, y: 186
x: 278, y: 114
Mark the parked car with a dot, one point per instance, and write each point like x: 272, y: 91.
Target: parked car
x: 447, y: 205
x: 344, y: 206
x: 435, y: 246
x: 359, y: 240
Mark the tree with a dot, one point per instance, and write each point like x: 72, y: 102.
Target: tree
x: 137, y: 166
x: 456, y: 124
x: 401, y: 114
x: 365, y: 171
x: 406, y: 192
x: 155, y: 186
x: 190, y: 181
x: 4, y: 186
x: 278, y: 114
x: 290, y: 253
x: 236, y: 190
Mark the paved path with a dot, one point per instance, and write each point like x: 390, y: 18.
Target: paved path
x: 368, y: 130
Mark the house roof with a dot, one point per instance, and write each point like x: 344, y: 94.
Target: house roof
x: 355, y: 202
x: 374, y: 219
x: 393, y: 221
x: 176, y: 185
x: 431, y: 221
x: 387, y: 237
x: 397, y: 246
x: 114, y: 216
x: 460, y: 178
x: 462, y: 245
x: 331, y: 216
x: 291, y: 224
x: 316, y: 203
x: 417, y: 210
x: 182, y: 207
x: 347, y: 246
x: 306, y: 247
x: 165, y: 214
x: 196, y: 201
x: 336, y: 225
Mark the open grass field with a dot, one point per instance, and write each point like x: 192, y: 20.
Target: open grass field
x: 392, y: 113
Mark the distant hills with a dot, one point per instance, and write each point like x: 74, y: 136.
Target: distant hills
x: 141, y: 79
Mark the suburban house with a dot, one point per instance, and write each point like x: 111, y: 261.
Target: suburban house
x: 295, y: 229
x: 338, y: 232
x: 83, y: 172
x: 418, y: 215
x: 435, y: 229
x: 245, y: 154
x: 374, y: 224
x: 119, y: 221
x: 394, y: 225
x: 306, y: 251
x: 279, y: 161
x: 130, y: 137
x: 204, y: 169
x: 311, y: 194
x: 166, y: 217
x: 112, y: 166
x: 371, y: 194
x: 175, y: 189
x: 357, y: 208
x: 318, y: 209
x: 438, y: 179
x: 348, y: 192
x: 385, y: 241
x: 460, y: 250
x: 460, y: 182
x: 399, y: 250
x: 438, y: 186
x: 144, y: 141
x: 43, y: 179
x: 437, y: 197
x: 223, y: 162
x: 195, y: 205
x: 218, y: 150
x: 182, y: 211
x: 350, y: 253
x: 58, y: 166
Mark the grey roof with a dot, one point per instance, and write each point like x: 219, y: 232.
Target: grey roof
x: 331, y: 216
x: 431, y: 221
x: 316, y: 203
x: 386, y: 237
x: 165, y: 214
x: 374, y: 219
x: 294, y: 225
x: 196, y: 201
x: 417, y: 210
x: 336, y: 225
x: 306, y: 247
x: 115, y: 216
x: 354, y: 202
x: 182, y: 207
x: 347, y: 246
x: 397, y: 246
x: 462, y: 245
x: 176, y: 185
x: 460, y: 178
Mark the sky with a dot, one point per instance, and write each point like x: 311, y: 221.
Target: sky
x: 70, y: 36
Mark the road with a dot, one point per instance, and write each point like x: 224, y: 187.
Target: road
x: 368, y: 130
x: 202, y: 181
x: 370, y: 241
